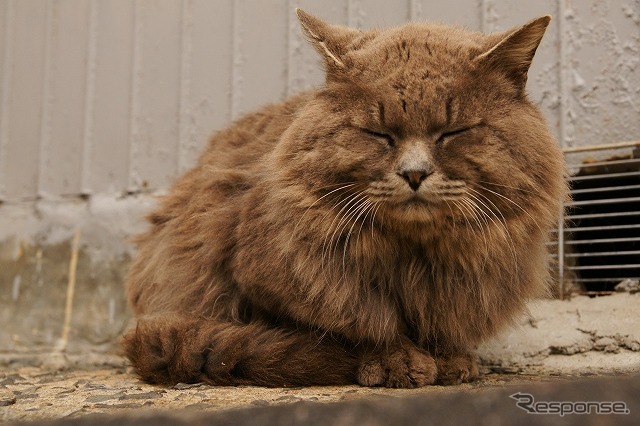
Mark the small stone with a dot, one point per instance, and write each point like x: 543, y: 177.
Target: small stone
x: 288, y: 398
x: 199, y: 406
x: 632, y: 345
x: 6, y: 398
x: 629, y: 285
x: 146, y: 395
x: 606, y: 344
x: 184, y: 386
x: 94, y: 386
x: 77, y: 413
x: 260, y: 402
x: 27, y: 396
x: 102, y: 398
x: 124, y: 405
x: 65, y: 393
x: 9, y: 380
x: 505, y: 370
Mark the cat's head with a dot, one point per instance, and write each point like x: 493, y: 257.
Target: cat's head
x: 423, y: 122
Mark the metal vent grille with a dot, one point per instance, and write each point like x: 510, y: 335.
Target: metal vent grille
x: 598, y: 243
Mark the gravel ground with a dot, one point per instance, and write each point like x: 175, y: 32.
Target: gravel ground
x: 557, y: 343
x: 33, y: 394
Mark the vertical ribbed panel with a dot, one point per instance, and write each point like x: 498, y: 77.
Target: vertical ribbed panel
x: 6, y: 36
x: 111, y: 103
x: 186, y: 58
x: 64, y: 100
x: 385, y: 14
x: 260, y: 54
x: 155, y: 133
x: 458, y: 12
x: 22, y: 96
x: 206, y: 74
x: 109, y: 96
x: 86, y: 186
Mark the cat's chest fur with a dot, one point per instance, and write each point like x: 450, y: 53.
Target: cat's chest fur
x: 366, y: 282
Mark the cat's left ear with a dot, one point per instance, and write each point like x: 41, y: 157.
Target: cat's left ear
x: 513, y: 53
x: 331, y: 41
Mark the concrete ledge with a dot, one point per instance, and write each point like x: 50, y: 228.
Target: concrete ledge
x: 580, y: 336
x: 62, y: 265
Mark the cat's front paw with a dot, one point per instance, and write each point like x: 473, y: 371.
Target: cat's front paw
x: 456, y: 369
x: 407, y: 367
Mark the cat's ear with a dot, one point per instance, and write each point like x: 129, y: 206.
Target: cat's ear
x: 331, y: 41
x: 513, y: 53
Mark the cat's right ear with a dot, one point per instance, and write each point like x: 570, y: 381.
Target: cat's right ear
x: 330, y: 41
x: 514, y: 52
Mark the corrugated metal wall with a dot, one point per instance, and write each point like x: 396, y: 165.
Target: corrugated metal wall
x: 116, y: 96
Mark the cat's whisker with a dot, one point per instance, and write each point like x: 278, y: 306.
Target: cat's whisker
x: 371, y: 206
x: 348, y: 216
x: 295, y: 228
x: 349, y: 201
x: 480, y: 204
x: 470, y: 227
x: 464, y: 215
x: 348, y: 239
x: 373, y: 218
x: 335, y: 217
x: 472, y: 214
x: 475, y: 209
x: 507, y: 186
x: 506, y: 235
x: 484, y: 230
x: 362, y: 218
x: 514, y: 203
x: 453, y: 217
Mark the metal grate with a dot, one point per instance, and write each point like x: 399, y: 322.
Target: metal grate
x: 597, y: 245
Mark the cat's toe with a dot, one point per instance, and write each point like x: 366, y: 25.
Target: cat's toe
x: 422, y: 368
x: 456, y: 369
x: 401, y: 368
x: 371, y: 373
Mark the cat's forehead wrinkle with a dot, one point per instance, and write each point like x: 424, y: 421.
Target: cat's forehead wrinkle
x: 421, y: 47
x: 410, y: 107
x: 415, y: 69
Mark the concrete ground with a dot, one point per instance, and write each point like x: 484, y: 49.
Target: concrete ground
x: 558, y: 342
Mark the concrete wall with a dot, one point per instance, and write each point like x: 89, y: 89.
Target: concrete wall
x: 103, y: 102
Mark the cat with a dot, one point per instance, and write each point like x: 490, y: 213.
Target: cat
x: 372, y: 231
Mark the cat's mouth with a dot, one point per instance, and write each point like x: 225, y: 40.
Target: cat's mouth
x: 415, y: 201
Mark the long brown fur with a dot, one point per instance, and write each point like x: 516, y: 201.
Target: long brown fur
x: 373, y: 230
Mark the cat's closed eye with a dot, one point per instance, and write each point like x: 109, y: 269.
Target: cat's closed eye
x: 447, y: 136
x: 390, y: 140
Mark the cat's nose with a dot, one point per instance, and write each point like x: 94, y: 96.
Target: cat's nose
x: 414, y: 177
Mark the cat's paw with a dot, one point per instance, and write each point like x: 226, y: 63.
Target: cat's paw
x: 456, y: 369
x: 407, y: 367
x: 155, y: 348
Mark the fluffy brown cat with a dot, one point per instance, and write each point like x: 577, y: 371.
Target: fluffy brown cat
x: 372, y: 231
